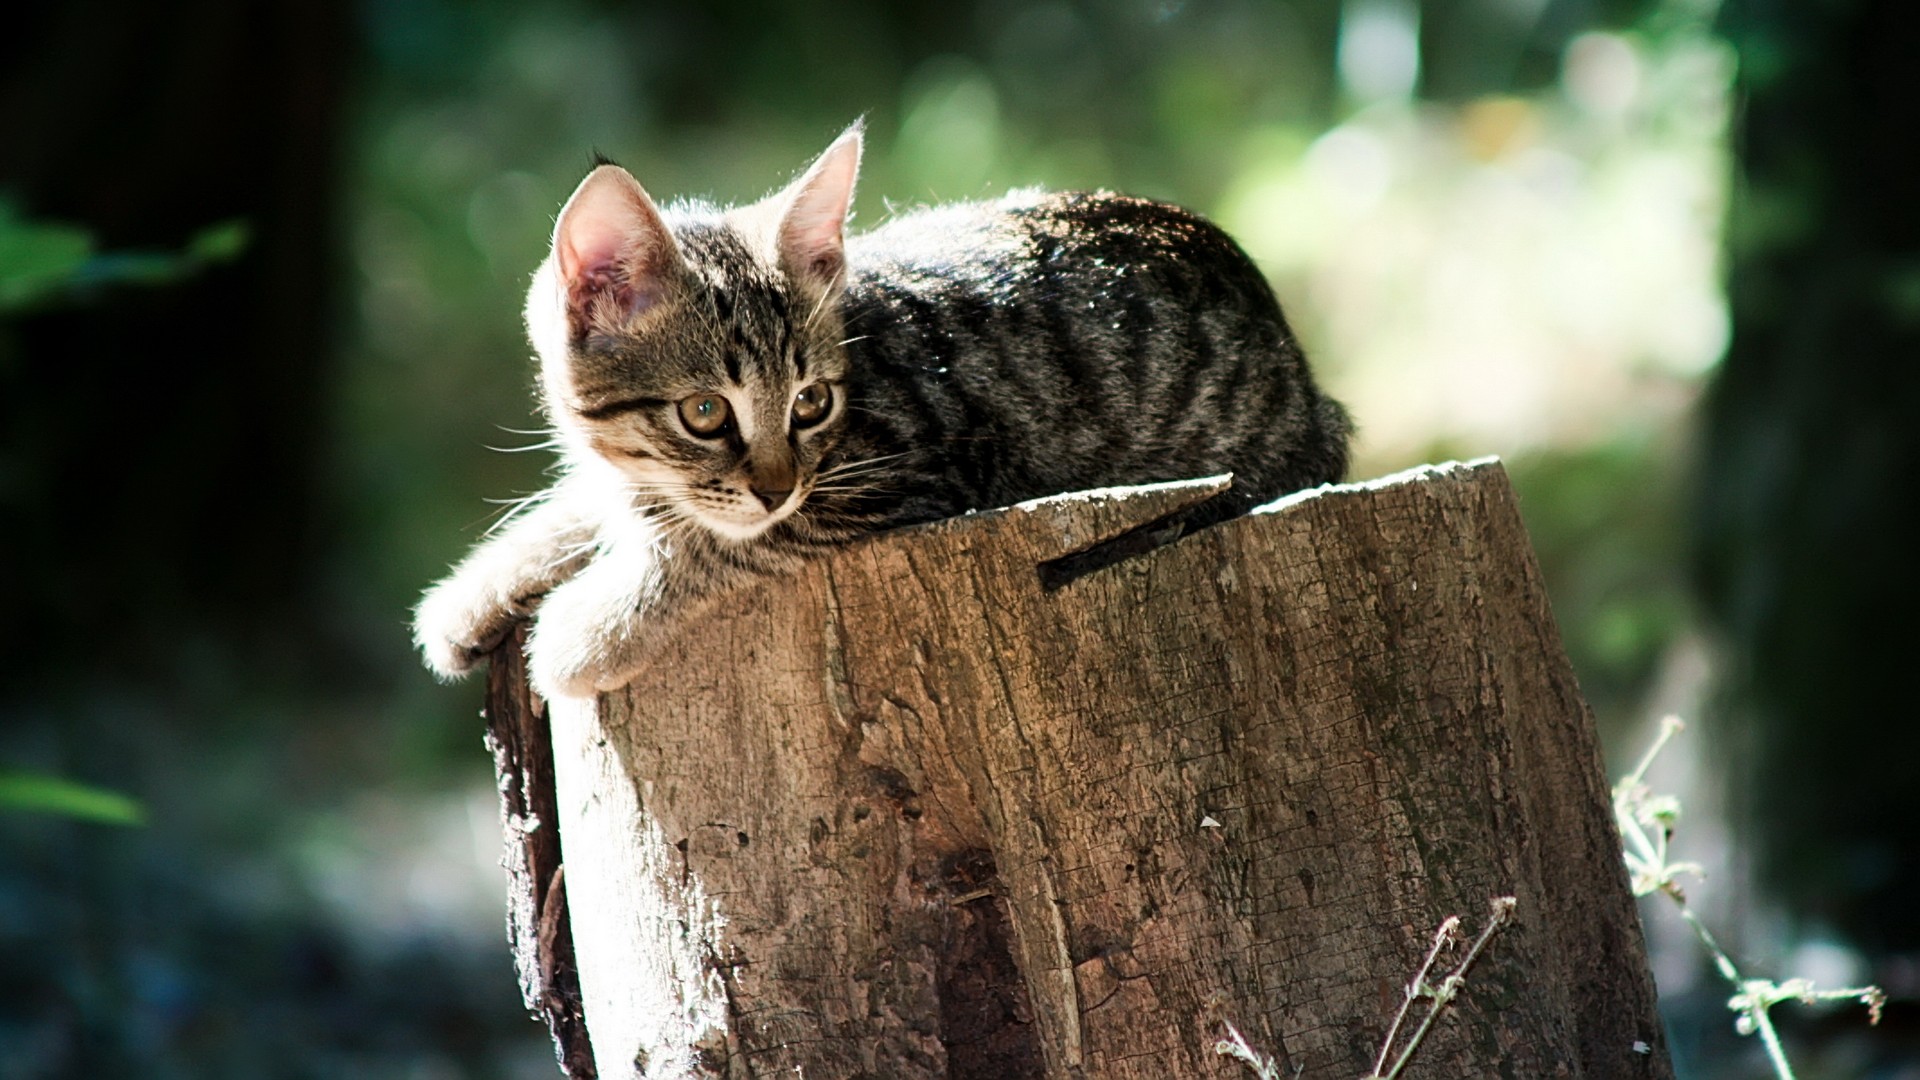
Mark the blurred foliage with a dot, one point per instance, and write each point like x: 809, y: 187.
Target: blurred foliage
x: 47, y: 262
x: 43, y: 261
x: 1810, y: 494
x: 1609, y: 528
x: 37, y: 793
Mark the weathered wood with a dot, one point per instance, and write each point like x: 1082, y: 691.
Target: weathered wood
x: 937, y: 806
x: 537, y: 925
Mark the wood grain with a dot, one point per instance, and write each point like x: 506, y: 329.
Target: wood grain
x: 922, y: 810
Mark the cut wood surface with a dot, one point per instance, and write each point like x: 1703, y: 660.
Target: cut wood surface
x: 946, y: 804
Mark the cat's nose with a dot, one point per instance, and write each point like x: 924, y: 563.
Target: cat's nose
x: 770, y: 476
x: 771, y: 497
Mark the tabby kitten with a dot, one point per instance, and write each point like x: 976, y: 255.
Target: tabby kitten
x: 736, y: 389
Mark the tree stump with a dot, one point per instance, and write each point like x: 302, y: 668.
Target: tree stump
x: 1037, y: 793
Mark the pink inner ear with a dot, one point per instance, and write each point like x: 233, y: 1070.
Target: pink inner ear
x: 811, y: 237
x: 818, y: 254
x: 590, y: 258
x: 609, y: 244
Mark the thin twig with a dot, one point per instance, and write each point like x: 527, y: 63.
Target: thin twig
x: 1443, y: 994
x: 1635, y: 808
x: 1670, y: 726
x: 1235, y: 1046
x: 1444, y: 936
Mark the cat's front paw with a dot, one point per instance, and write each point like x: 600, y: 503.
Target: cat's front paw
x: 459, y: 622
x: 582, y: 642
x: 559, y: 673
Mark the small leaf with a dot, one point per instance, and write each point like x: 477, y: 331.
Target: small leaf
x: 47, y: 261
x: 52, y: 795
x: 220, y: 243
x: 1662, y: 810
x: 37, y: 258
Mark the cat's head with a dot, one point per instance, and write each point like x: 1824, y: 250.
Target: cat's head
x: 696, y: 355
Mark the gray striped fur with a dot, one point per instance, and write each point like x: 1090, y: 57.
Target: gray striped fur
x: 979, y: 354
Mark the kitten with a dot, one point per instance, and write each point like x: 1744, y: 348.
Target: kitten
x: 735, y: 389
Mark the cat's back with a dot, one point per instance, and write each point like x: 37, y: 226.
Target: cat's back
x: 1056, y: 341
x: 1032, y: 236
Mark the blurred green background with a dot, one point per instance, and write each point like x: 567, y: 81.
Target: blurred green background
x: 260, y: 280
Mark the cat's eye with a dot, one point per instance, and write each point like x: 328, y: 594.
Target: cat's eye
x: 705, y: 415
x: 811, y: 404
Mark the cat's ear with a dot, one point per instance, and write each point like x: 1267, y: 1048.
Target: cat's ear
x: 614, y: 256
x: 811, y: 241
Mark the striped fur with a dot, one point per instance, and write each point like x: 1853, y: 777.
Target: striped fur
x: 978, y: 354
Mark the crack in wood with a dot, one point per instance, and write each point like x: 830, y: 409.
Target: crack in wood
x: 1066, y: 746
x: 1057, y: 573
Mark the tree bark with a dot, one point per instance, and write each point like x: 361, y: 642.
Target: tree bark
x: 978, y: 800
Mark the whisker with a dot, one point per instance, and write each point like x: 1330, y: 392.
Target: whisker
x: 513, y: 508
x: 819, y: 306
x: 848, y: 467
x: 549, y: 439
x: 865, y: 477
x: 854, y: 471
x: 550, y: 444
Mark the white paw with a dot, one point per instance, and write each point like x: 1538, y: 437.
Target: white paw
x: 459, y: 622
x: 580, y: 642
x: 559, y: 665
x: 559, y: 677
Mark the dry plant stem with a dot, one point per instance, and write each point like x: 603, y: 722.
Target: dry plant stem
x: 1446, y: 935
x: 1771, y: 1040
x: 1444, y: 993
x: 1669, y: 727
x: 1756, y: 996
x: 1634, y: 809
x: 1235, y: 1046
